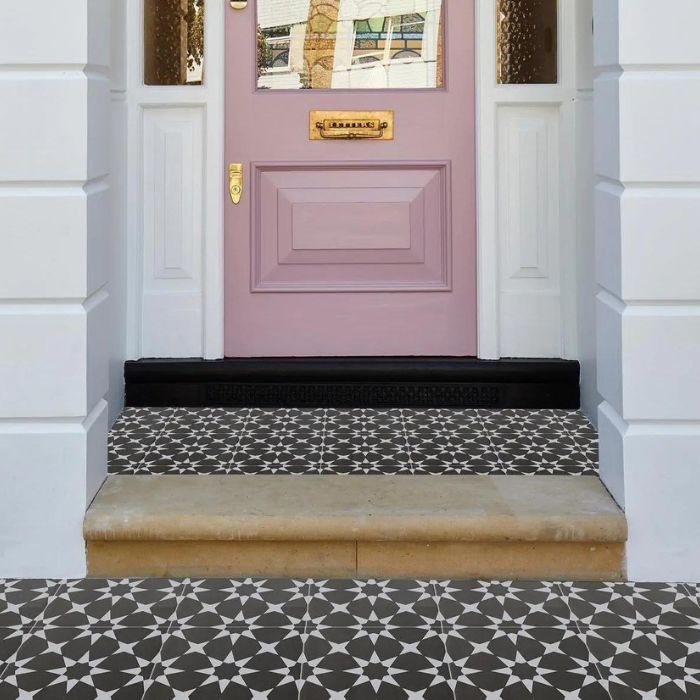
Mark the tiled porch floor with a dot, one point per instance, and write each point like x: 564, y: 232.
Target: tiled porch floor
x: 292, y: 639
x: 352, y: 441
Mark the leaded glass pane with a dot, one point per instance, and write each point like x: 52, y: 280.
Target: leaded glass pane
x: 173, y: 42
x: 527, y: 41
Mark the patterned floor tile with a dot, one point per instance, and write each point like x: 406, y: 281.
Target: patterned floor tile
x: 353, y: 441
x: 431, y: 453
x: 542, y: 421
x: 216, y: 419
x: 381, y: 663
x: 208, y: 664
x: 364, y: 419
x: 264, y: 451
x: 538, y: 453
x: 286, y: 419
x: 284, y: 638
x: 58, y: 663
x: 203, y: 448
x: 359, y: 452
x: 107, y: 602
x: 279, y: 603
x: 647, y: 662
x: 373, y: 603
x: 576, y: 423
x: 23, y: 601
x: 126, y: 452
x: 442, y: 420
x: 151, y: 420
x: 638, y: 604
x: 514, y: 664
x: 502, y: 604
x: 10, y: 641
x: 587, y: 444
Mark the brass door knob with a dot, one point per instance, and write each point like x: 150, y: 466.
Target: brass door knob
x: 239, y: 4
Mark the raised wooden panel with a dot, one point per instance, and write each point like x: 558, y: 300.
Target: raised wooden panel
x: 173, y: 229
x: 529, y: 230
x: 172, y: 201
x: 374, y: 226
x: 529, y: 175
x: 349, y: 227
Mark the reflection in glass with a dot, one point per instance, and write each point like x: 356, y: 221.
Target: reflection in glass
x: 173, y: 42
x: 322, y: 44
x: 527, y: 42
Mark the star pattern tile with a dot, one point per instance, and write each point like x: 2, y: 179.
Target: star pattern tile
x: 82, y: 662
x: 206, y: 662
x: 291, y: 639
x: 352, y: 441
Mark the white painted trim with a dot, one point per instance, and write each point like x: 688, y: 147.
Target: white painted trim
x: 213, y: 292
x: 488, y: 292
x: 490, y: 98
x: 209, y: 97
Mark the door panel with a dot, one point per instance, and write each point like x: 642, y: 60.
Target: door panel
x: 349, y: 228
x: 359, y: 247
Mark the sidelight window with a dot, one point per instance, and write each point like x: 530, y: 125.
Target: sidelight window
x: 173, y: 42
x: 527, y: 42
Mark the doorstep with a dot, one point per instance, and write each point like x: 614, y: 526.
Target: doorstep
x: 495, y: 527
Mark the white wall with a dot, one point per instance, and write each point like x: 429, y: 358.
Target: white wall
x: 117, y: 285
x: 647, y: 202
x: 54, y: 269
x: 586, y: 286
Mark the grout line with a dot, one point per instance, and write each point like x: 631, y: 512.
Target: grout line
x: 688, y: 591
x: 560, y: 586
x: 179, y: 597
x: 409, y: 451
x: 305, y: 635
x: 142, y: 468
x: 324, y: 430
x: 236, y: 448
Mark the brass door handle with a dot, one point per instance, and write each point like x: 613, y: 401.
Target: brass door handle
x: 235, y: 181
x: 239, y: 4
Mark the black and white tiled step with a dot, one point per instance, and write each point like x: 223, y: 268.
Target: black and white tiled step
x: 269, y: 638
x: 352, y: 441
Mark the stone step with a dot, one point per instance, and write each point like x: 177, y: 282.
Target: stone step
x: 501, y: 527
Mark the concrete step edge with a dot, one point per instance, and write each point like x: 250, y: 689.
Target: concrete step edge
x: 211, y: 508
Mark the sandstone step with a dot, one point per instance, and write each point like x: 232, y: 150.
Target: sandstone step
x: 549, y: 527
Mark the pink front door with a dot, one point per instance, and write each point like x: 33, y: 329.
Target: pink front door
x: 351, y: 247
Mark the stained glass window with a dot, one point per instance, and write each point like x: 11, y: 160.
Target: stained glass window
x: 527, y: 41
x: 173, y: 42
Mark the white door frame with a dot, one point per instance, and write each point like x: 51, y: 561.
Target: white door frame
x: 526, y: 302
x: 179, y: 311
x: 175, y: 309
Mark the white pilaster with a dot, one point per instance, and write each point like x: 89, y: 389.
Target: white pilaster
x: 647, y: 98
x: 54, y: 271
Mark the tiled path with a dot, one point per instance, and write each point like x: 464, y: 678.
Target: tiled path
x: 354, y: 441
x: 287, y: 639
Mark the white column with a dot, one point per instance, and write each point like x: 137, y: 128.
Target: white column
x: 54, y: 315
x: 647, y: 102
